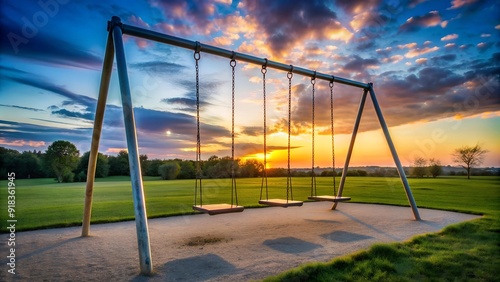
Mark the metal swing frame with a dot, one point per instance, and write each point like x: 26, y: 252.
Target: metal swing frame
x: 114, y: 48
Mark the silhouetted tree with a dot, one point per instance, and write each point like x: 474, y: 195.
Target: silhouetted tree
x: 435, y: 168
x: 419, y: 168
x: 469, y: 157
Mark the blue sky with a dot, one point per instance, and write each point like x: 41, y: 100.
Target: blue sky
x: 435, y: 66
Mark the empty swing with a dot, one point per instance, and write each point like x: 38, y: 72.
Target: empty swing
x: 314, y: 195
x: 288, y: 202
x: 213, y: 209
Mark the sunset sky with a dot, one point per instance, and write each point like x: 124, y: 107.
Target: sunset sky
x: 435, y: 66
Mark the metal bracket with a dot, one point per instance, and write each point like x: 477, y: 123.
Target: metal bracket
x: 115, y: 21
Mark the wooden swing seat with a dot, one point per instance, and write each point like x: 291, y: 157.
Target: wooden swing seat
x: 215, y: 209
x: 329, y: 198
x: 281, y: 203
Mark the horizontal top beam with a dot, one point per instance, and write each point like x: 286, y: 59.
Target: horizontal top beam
x: 193, y: 45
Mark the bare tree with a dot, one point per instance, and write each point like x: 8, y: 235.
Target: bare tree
x: 419, y: 168
x: 469, y: 157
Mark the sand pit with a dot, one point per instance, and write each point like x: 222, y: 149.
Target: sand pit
x: 231, y: 247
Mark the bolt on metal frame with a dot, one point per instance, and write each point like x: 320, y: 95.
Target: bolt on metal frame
x: 114, y: 48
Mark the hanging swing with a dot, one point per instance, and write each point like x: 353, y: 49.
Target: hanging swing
x: 288, y: 202
x: 213, y: 209
x: 314, y: 195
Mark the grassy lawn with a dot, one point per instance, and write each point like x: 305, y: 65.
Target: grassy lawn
x: 463, y: 252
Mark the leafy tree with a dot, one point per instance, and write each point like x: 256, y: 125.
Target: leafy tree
x: 251, y: 168
x: 8, y: 161
x: 102, y: 167
x: 469, y: 157
x: 118, y: 165
x: 62, y: 156
x: 419, y: 168
x: 151, y: 167
x: 435, y: 168
x: 169, y: 170
x: 29, y: 166
x: 188, y: 170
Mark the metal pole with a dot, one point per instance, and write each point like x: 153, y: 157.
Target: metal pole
x: 401, y: 171
x: 141, y: 220
x: 351, y: 145
x: 184, y: 43
x: 107, y: 68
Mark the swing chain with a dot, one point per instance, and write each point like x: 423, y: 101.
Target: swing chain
x: 264, y: 171
x: 313, y: 173
x: 197, y: 56
x: 333, y: 138
x: 232, y: 63
x: 289, y: 179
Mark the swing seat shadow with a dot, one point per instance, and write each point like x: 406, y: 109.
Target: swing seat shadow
x: 185, y: 269
x: 345, y: 237
x: 290, y: 245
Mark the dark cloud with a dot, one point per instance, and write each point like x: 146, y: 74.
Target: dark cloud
x: 252, y: 130
x: 22, y: 108
x: 185, y: 104
x: 435, y: 80
x: 415, y: 23
x: 71, y: 114
x: 359, y: 64
x: 185, y: 17
x: 285, y: 24
x: 45, y: 48
x: 435, y: 93
x: 367, y: 45
x: 443, y: 60
x: 158, y: 67
x: 483, y: 46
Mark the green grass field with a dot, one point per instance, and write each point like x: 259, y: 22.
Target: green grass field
x: 464, y: 252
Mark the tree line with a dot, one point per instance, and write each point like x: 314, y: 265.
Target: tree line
x: 63, y: 162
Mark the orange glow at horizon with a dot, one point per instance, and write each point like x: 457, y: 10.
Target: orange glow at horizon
x: 259, y: 157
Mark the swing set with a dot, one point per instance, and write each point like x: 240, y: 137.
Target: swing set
x: 114, y: 48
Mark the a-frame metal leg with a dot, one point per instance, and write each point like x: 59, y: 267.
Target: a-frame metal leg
x: 133, y: 153
x: 351, y: 146
x: 401, y: 171
x: 107, y: 68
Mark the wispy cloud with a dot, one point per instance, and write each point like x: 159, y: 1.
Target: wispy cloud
x: 412, y: 24
x: 22, y: 108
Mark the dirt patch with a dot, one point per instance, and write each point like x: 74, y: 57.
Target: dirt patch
x: 205, y: 240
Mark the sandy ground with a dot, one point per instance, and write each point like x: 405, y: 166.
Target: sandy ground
x: 231, y: 247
